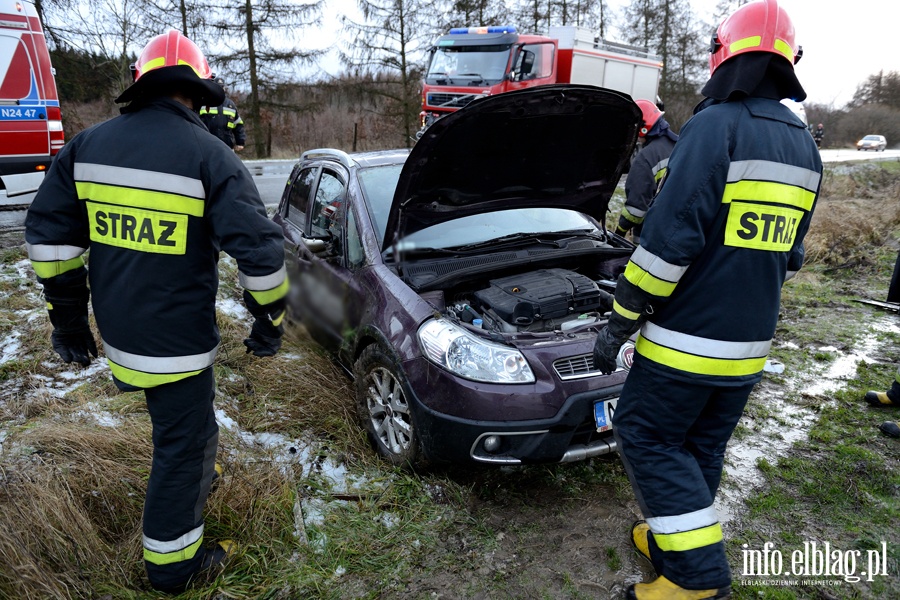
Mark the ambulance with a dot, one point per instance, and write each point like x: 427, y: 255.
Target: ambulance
x: 31, y: 130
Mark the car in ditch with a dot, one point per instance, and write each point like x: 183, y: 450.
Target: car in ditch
x: 462, y: 283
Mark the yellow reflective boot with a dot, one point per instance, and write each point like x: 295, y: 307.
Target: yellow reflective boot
x: 640, y: 532
x: 879, y: 399
x: 663, y: 589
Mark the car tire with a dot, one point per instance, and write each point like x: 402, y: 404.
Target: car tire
x: 383, y: 407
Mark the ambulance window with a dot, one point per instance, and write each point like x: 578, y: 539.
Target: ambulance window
x: 298, y: 200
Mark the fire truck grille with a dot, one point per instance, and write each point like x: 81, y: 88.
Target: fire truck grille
x: 450, y: 100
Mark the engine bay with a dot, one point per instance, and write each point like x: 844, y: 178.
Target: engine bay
x: 543, y: 300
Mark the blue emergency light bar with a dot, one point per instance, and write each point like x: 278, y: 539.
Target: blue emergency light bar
x: 492, y: 29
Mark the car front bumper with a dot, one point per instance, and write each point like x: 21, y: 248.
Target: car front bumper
x: 568, y: 435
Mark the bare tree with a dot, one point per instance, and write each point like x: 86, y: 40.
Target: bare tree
x: 475, y: 13
x: 392, y: 39
x: 255, y: 48
x: 111, y: 30
x: 670, y: 29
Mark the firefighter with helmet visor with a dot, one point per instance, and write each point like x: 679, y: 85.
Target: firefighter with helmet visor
x: 153, y: 197
x: 702, y: 292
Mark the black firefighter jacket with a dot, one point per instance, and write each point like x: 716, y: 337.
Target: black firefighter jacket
x: 224, y: 122
x: 722, y: 236
x: 647, y: 170
x: 154, y: 197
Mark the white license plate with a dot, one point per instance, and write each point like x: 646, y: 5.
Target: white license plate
x: 603, y: 414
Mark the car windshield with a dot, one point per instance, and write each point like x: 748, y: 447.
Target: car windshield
x: 378, y: 185
x: 476, y: 229
x: 872, y: 138
x: 468, y: 65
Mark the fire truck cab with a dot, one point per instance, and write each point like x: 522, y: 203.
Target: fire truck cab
x: 471, y: 62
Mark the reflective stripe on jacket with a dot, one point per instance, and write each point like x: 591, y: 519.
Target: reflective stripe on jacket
x: 155, y: 198
x: 722, y: 236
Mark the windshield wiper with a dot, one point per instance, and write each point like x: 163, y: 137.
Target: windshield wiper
x: 441, y: 78
x: 551, y: 238
x: 478, y: 75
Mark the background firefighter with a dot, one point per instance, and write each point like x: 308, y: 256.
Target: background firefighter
x: 223, y: 121
x: 154, y: 197
x: 703, y: 288
x: 647, y: 169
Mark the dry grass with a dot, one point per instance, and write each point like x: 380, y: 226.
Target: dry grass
x: 856, y: 211
x: 76, y: 455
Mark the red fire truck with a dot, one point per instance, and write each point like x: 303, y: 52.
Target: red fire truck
x: 470, y: 62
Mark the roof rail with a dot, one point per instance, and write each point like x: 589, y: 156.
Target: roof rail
x: 328, y: 154
x: 638, y: 51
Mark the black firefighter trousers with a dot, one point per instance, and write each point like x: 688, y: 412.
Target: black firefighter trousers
x: 672, y: 437
x: 185, y: 440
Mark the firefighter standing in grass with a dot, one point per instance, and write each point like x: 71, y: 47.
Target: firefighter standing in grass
x: 647, y: 169
x: 154, y: 197
x: 890, y: 398
x: 703, y: 288
x: 223, y: 121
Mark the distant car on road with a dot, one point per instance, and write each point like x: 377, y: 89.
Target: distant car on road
x: 872, y: 142
x: 462, y: 284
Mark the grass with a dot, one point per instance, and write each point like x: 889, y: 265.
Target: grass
x: 75, y: 456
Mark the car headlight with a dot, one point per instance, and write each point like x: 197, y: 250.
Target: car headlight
x: 455, y: 349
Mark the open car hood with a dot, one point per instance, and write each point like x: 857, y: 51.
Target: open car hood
x: 560, y: 146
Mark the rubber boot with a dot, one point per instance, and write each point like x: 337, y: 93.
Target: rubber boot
x: 663, y: 589
x: 640, y: 532
x: 216, y: 478
x: 216, y: 555
x: 880, y: 399
x: 890, y: 428
x: 214, y: 558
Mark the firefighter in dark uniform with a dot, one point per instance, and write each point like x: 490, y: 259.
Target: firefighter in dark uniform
x: 154, y: 197
x: 890, y: 398
x: 703, y: 288
x: 647, y: 169
x: 223, y: 121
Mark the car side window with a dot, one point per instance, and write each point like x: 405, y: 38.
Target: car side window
x: 327, y: 205
x: 298, y: 198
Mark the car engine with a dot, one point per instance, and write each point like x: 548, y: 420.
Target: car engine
x: 542, y: 300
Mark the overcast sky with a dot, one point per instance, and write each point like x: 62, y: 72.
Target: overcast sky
x: 843, y: 44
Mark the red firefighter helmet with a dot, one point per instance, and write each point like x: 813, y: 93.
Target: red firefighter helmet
x: 172, y: 60
x: 651, y: 114
x: 759, y: 26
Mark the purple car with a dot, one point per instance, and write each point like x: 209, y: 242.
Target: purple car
x: 462, y: 283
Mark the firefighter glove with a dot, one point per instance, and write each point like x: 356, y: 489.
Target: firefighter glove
x: 606, y: 301
x: 606, y: 349
x: 265, y: 338
x: 75, y: 345
x: 68, y: 311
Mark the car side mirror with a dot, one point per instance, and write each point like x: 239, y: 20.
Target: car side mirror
x: 527, y: 62
x: 315, y: 245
